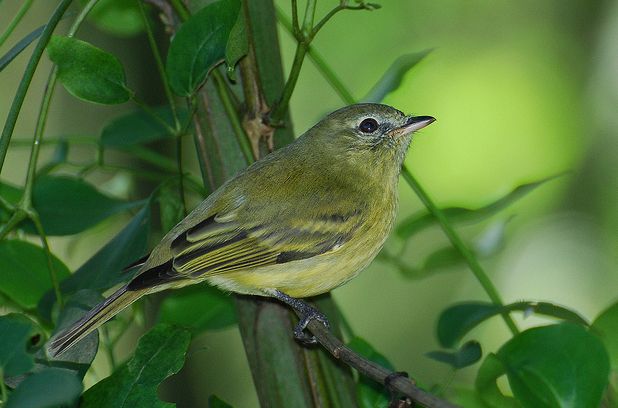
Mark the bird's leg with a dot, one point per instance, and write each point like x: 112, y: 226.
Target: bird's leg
x: 306, y: 313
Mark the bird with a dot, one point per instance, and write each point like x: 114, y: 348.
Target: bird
x: 297, y: 223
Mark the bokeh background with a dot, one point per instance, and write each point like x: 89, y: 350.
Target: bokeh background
x: 521, y: 90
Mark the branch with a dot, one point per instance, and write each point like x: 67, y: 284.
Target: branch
x: 369, y: 369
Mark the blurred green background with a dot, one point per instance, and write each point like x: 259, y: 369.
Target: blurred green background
x: 521, y: 90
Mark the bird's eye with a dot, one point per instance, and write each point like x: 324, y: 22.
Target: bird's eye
x: 368, y: 125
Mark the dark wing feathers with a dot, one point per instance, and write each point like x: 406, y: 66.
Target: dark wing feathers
x: 212, y: 247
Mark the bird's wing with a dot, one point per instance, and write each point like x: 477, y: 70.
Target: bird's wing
x: 227, y: 242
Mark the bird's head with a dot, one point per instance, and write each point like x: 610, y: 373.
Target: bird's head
x: 372, y: 134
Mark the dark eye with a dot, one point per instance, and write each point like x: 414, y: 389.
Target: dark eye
x: 368, y: 125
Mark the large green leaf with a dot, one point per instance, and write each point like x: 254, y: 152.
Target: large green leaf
x: 49, y: 388
x: 17, y: 332
x: 88, y: 72
x: 465, y: 356
x: 118, y: 17
x: 606, y: 326
x: 24, y: 276
x: 104, y: 269
x: 198, y: 308
x: 488, y: 391
x: 417, y: 222
x: 139, y: 127
x: 369, y: 393
x: 68, y: 205
x: 199, y: 45
x: 394, y: 75
x: 560, y: 365
x: 159, y: 354
x: 457, y: 320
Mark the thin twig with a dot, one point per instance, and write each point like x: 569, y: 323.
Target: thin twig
x: 369, y: 369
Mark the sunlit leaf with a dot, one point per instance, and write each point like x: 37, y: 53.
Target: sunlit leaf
x: 88, y: 72
x: 417, y: 222
x: 159, y: 354
x: 369, y: 393
x: 198, y: 308
x: 104, y: 269
x: 17, y: 332
x: 606, y: 325
x: 468, y: 354
x: 394, y: 75
x: 560, y: 365
x: 25, y: 276
x: 51, y: 387
x: 118, y: 17
x: 456, y: 321
x: 237, y: 45
x: 19, y: 47
x: 68, y: 205
x: 199, y: 45
x: 139, y: 127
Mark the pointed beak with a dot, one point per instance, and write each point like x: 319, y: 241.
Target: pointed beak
x: 413, y: 124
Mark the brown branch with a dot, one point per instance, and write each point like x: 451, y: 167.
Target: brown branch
x: 369, y: 369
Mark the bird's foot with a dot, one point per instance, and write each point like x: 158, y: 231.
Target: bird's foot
x: 306, y: 314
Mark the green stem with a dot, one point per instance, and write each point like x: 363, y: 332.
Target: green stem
x: 17, y: 217
x: 232, y: 113
x: 281, y: 108
x: 50, y: 264
x: 309, y: 17
x: 3, y: 392
x: 24, y: 84
x: 20, y: 14
x: 181, y: 9
x: 458, y: 243
x: 328, y: 73
x: 160, y: 66
x: 154, y: 115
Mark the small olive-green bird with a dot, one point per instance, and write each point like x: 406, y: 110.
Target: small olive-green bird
x: 303, y: 220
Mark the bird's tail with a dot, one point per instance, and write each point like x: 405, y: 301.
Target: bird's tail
x: 101, y: 313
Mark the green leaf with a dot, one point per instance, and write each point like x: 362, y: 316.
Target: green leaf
x: 159, y: 354
x: 25, y: 273
x: 198, y: 308
x: 467, y: 355
x: 370, y: 394
x: 488, y: 390
x: 560, y: 365
x: 118, y: 17
x: 170, y: 207
x: 80, y: 356
x: 606, y: 326
x: 104, y: 269
x: 456, y: 321
x: 139, y: 127
x: 417, y: 222
x: 10, y: 194
x: 216, y: 402
x: 88, y: 72
x: 393, y: 76
x: 68, y: 205
x: 17, y: 334
x: 52, y: 387
x: 237, y: 46
x: 19, y: 47
x: 199, y: 45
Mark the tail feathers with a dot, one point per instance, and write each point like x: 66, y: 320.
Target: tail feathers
x: 93, y: 319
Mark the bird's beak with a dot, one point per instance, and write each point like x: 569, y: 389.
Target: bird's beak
x: 413, y: 124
